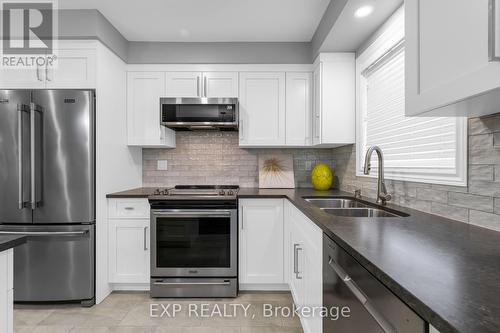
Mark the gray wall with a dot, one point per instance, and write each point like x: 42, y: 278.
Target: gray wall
x: 478, y: 204
x: 216, y: 158
x: 218, y: 53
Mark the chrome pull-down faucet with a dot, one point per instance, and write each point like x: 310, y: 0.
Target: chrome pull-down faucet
x: 382, y: 196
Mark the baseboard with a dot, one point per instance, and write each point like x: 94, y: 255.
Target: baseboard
x: 130, y: 286
x: 264, y: 287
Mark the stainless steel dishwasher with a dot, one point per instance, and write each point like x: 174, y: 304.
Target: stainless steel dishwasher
x: 373, y: 308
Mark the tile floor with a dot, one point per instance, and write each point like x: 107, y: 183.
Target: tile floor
x: 130, y: 313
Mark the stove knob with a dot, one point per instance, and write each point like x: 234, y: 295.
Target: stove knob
x: 230, y: 192
x: 222, y: 192
x: 157, y: 191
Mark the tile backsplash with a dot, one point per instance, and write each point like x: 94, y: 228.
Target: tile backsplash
x: 478, y: 204
x: 215, y: 158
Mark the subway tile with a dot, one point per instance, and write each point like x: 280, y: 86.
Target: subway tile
x: 485, y: 220
x: 432, y: 195
x: 484, y: 156
x: 471, y: 201
x: 481, y: 172
x: 497, y: 206
x: 485, y: 188
x: 496, y: 140
x: 480, y: 141
x: 454, y: 213
x: 484, y: 125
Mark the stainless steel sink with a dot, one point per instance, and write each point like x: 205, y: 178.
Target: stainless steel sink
x: 335, y: 203
x: 359, y: 212
x: 351, y: 207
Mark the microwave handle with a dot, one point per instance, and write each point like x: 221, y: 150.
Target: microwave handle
x: 198, y: 90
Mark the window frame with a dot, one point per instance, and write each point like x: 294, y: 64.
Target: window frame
x: 389, y: 37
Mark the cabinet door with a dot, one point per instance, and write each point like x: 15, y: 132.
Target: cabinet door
x: 448, y: 63
x: 298, y: 109
x: 75, y: 68
x: 16, y: 78
x: 183, y: 84
x: 262, y: 109
x: 129, y: 251
x: 261, y: 241
x: 220, y: 84
x: 144, y: 90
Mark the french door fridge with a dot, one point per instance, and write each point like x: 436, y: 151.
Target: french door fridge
x: 47, y: 191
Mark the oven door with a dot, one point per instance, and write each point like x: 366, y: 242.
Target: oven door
x: 194, y: 243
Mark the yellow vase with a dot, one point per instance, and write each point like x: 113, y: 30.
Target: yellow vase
x: 321, y: 177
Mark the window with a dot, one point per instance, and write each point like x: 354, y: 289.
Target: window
x: 420, y: 149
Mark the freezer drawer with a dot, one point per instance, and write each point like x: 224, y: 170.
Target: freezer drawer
x: 55, y: 264
x: 373, y: 307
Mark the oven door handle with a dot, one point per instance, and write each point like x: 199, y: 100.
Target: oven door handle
x: 174, y: 284
x: 213, y: 213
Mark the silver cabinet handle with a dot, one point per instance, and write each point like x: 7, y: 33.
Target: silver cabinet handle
x: 145, y: 238
x: 242, y: 217
x: 47, y: 73
x: 362, y: 297
x: 38, y: 73
x: 45, y: 233
x: 175, y: 284
x: 129, y: 208
x: 205, y: 89
x: 492, y: 31
x: 296, y: 250
x: 198, y: 91
x: 20, y: 109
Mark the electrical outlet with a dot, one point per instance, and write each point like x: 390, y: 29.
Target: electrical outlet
x: 162, y: 165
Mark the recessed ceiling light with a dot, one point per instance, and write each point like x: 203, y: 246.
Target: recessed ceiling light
x: 363, y: 11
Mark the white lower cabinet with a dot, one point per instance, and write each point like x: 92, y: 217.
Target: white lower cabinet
x: 6, y: 291
x: 260, y: 243
x: 128, y: 241
x: 305, y: 265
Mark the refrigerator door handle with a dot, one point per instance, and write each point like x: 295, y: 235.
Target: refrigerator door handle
x: 20, y: 109
x: 33, y: 109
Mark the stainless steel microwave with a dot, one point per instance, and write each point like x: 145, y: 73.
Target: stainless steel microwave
x: 199, y: 113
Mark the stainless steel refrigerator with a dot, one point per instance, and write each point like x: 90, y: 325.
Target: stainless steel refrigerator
x: 47, y: 192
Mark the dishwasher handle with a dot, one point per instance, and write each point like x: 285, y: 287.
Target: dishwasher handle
x: 362, y: 297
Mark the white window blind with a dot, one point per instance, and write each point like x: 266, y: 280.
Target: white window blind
x: 424, y: 149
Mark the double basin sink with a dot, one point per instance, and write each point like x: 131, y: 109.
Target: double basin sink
x: 351, y: 207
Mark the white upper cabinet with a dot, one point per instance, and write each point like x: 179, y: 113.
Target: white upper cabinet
x: 13, y: 78
x: 144, y: 90
x: 198, y: 84
x: 298, y: 109
x: 220, y: 84
x: 334, y: 100
x: 183, y: 84
x: 261, y: 241
x: 76, y: 68
x: 452, y: 68
x: 262, y: 109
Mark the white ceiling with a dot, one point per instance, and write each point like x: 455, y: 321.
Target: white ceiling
x: 349, y: 32
x: 210, y: 20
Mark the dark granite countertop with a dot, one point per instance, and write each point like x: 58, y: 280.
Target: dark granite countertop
x: 10, y: 241
x: 448, y: 272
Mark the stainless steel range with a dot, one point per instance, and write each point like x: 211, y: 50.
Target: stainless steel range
x: 194, y: 241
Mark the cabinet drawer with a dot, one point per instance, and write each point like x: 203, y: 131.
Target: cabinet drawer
x: 128, y: 208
